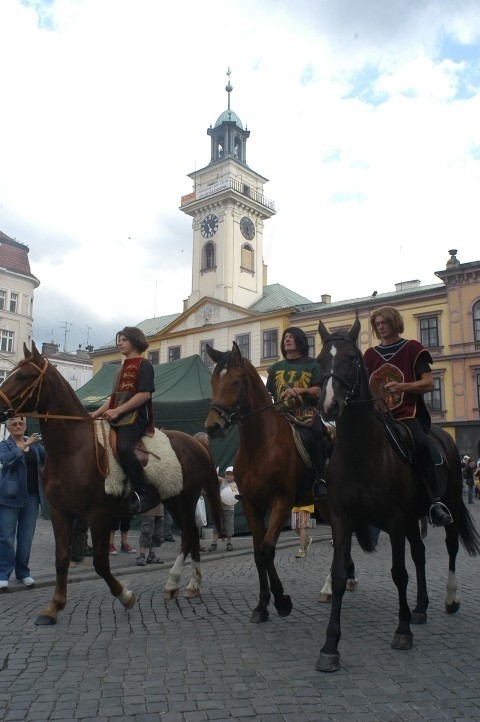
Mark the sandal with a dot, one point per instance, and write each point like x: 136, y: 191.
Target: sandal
x: 212, y: 548
x: 229, y: 547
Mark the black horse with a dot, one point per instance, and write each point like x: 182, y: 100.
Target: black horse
x: 370, y: 482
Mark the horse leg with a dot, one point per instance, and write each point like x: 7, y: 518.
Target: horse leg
x: 417, y: 551
x: 403, y: 637
x: 173, y: 582
x: 63, y: 531
x: 351, y: 585
x: 283, y: 603
x: 452, y: 599
x: 256, y: 523
x: 329, y: 658
x: 100, y: 531
x: 193, y: 587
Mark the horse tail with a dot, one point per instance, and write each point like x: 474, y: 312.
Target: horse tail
x: 211, y: 487
x: 362, y: 532
x: 469, y: 535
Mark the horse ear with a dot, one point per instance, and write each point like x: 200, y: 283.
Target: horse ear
x: 214, y: 355
x: 237, y: 354
x: 322, y: 330
x: 37, y: 357
x: 26, y: 351
x: 354, y: 331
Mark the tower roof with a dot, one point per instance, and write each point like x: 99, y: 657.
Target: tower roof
x: 228, y: 116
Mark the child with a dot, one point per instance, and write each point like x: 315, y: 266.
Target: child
x: 300, y: 523
x: 151, y: 532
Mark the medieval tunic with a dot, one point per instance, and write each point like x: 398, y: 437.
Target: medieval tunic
x: 135, y: 376
x: 403, y: 361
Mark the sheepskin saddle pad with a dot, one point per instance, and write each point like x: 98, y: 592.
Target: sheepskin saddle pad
x: 162, y: 471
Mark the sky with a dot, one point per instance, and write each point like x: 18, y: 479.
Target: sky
x: 364, y: 116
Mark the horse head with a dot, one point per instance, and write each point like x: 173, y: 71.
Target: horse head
x: 20, y: 392
x: 228, y: 390
x: 340, y: 364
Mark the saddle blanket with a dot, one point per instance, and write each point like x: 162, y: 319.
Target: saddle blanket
x: 163, y: 470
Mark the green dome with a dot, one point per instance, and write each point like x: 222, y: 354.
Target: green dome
x: 228, y: 116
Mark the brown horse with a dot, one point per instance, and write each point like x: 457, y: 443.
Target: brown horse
x: 370, y: 482
x: 74, y: 479
x: 271, y: 475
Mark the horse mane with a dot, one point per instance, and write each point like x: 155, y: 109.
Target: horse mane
x: 64, y: 387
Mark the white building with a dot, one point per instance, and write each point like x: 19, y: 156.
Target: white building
x: 17, y: 285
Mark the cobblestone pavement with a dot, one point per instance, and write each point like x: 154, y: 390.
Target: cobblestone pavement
x: 202, y: 660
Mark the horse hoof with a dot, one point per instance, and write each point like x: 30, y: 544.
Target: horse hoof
x: 402, y: 641
x: 127, y: 598
x: 191, y: 593
x: 452, y: 608
x: 328, y: 662
x: 284, y: 606
x: 418, y: 618
x: 324, y: 598
x: 351, y: 585
x: 45, y: 620
x: 169, y: 594
x: 259, y: 617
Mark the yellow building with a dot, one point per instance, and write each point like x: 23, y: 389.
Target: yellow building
x: 232, y: 301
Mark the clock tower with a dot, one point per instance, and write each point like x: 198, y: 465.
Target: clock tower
x: 228, y: 208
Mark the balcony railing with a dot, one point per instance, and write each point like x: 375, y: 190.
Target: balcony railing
x: 242, y: 188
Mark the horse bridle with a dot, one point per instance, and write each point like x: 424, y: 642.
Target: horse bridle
x: 353, y: 387
x: 27, y: 393
x: 232, y: 414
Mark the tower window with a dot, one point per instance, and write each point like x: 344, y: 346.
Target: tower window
x: 237, y: 149
x: 248, y: 257
x: 208, y: 256
x: 221, y: 147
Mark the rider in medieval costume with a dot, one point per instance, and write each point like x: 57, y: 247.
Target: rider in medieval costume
x: 130, y: 410
x: 400, y: 373
x: 296, y: 379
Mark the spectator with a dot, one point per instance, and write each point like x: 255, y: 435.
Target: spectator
x: 300, y: 522
x: 21, y: 458
x: 151, y: 524
x: 122, y: 523
x: 228, y: 491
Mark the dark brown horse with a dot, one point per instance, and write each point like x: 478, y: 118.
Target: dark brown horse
x: 270, y: 473
x: 370, y: 482
x: 74, y: 479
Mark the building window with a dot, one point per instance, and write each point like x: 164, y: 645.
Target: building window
x: 429, y: 332
x: 311, y: 344
x: 6, y: 341
x: 478, y: 391
x: 243, y: 343
x: 154, y: 357
x: 476, y: 322
x: 3, y: 300
x: 248, y: 257
x: 13, y: 307
x: 203, y: 353
x: 270, y: 343
x: 433, y: 399
x: 208, y: 256
x: 174, y: 353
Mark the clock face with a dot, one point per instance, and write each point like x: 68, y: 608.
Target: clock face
x: 209, y: 226
x: 247, y: 228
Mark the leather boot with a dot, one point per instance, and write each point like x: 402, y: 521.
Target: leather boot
x: 438, y: 513
x: 319, y: 490
x: 138, y: 501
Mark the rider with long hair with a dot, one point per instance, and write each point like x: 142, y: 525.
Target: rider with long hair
x: 400, y: 372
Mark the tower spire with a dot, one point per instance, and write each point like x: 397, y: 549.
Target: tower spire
x: 228, y: 86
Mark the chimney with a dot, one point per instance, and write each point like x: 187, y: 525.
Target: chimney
x: 326, y: 298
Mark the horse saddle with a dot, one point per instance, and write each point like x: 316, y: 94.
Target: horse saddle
x: 140, y: 449
x: 402, y: 441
